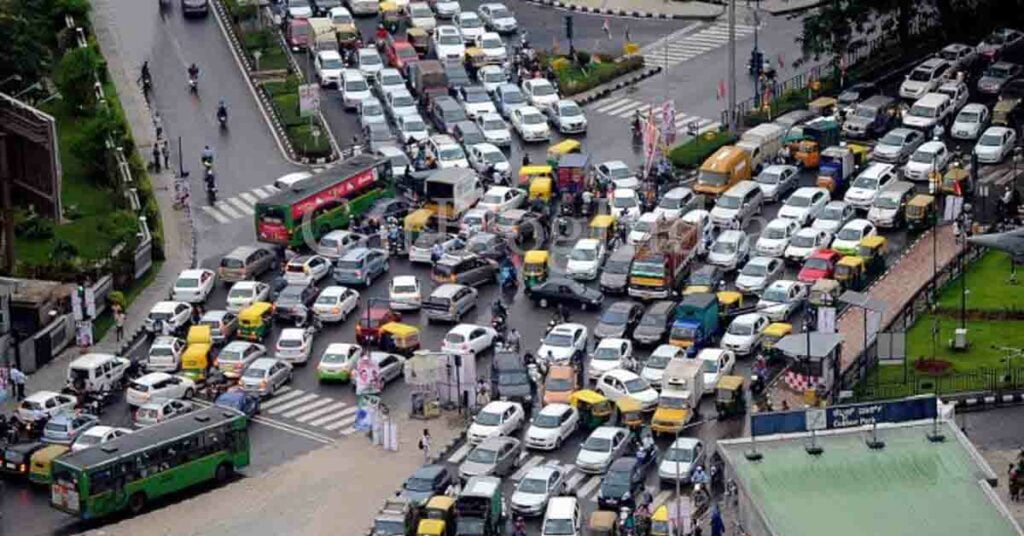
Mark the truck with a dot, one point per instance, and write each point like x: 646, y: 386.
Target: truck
x: 762, y: 143
x: 479, y: 507
x: 681, y: 389
x: 836, y: 167
x: 661, y: 261
x: 696, y: 322
x: 396, y: 518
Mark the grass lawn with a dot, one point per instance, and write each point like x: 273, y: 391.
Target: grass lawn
x: 986, y: 285
x: 106, y: 320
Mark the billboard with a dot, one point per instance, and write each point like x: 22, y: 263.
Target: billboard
x: 31, y: 156
x: 844, y: 416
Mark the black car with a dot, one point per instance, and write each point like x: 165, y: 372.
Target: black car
x: 246, y: 403
x: 323, y: 7
x: 709, y: 276
x: 464, y: 269
x: 509, y: 378
x: 488, y: 246
x: 468, y: 134
x: 560, y: 290
x: 292, y: 298
x: 618, y: 320
x: 621, y: 484
x: 388, y: 208
x: 656, y: 322
x: 426, y: 482
x: 14, y: 459
x: 195, y: 8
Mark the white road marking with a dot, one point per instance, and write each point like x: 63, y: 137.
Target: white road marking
x: 292, y: 403
x: 589, y: 487
x: 281, y: 398
x: 284, y: 389
x: 605, y: 106
x: 525, y: 468
x: 322, y: 411
x: 241, y: 205
x: 348, y: 431
x: 216, y: 214
x: 660, y: 498
x: 226, y: 208
x: 261, y: 193
x: 348, y: 421
x: 307, y: 407
x: 460, y: 453
x: 249, y: 198
x: 334, y: 416
x: 574, y: 480
x: 271, y: 188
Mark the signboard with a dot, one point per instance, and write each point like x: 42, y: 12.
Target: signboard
x: 845, y: 416
x: 367, y: 376
x: 892, y: 347
x: 309, y: 100
x: 334, y: 193
x: 826, y: 319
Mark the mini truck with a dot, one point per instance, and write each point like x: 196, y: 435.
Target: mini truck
x: 480, y: 507
x: 696, y: 322
x: 681, y: 389
x: 837, y: 165
x: 661, y: 262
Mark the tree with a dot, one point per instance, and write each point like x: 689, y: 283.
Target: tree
x: 62, y: 252
x: 75, y: 77
x: 90, y: 148
x: 24, y: 52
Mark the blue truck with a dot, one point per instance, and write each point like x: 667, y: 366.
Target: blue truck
x: 696, y: 322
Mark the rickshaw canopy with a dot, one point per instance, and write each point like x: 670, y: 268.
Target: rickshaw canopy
x: 824, y: 292
x: 431, y: 527
x: 822, y: 105
x: 540, y: 188
x: 588, y: 396
x: 628, y: 404
x: 729, y: 298
x: 529, y: 173
x: 440, y: 502
x: 873, y: 242
x: 253, y: 314
x: 399, y: 329
x: 418, y: 220
x: 536, y: 257
x: 777, y: 330
x: 387, y: 7
x: 730, y: 383
x: 564, y: 147
x: 602, y: 520
x: 920, y: 202
x: 853, y: 262
x: 199, y: 335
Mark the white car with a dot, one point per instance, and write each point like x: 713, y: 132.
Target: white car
x: 716, y: 363
x: 370, y: 111
x: 338, y: 361
x: 806, y: 241
x: 643, y: 228
x: 530, y: 124
x: 730, y: 249
x: 995, y: 144
x: 340, y: 16
x: 498, y: 199
x: 701, y: 219
x: 930, y: 157
x: 567, y: 117
x: 43, y: 405
x: 299, y: 9
x: 476, y: 101
x: 476, y: 220
x: 625, y: 204
x: 540, y: 93
x: 157, y: 412
x: 848, y: 238
x: 617, y: 384
x: 404, y: 293
x: 294, y: 345
x: 610, y: 354
x: 865, y: 187
x: 970, y: 122
x: 448, y: 153
x: 656, y: 363
x: 776, y: 180
x: 605, y: 444
x: 335, y: 303
x: 539, y: 484
x: 448, y: 44
x: 957, y: 91
x: 781, y: 299
x: 924, y: 78
x: 368, y: 61
x: 551, y: 426
x: 491, y: 76
x: 421, y: 16
x: 562, y: 342
x: 387, y: 80
x: 157, y: 386
x: 469, y: 25
x: 617, y: 173
x: 680, y: 461
x: 165, y: 354
x: 775, y: 237
x: 585, y: 259
x: 495, y: 129
x: 399, y: 102
x: 97, y: 435
x: 194, y: 286
x: 237, y: 355
x: 447, y: 9
x: 468, y: 339
x: 411, y: 128
x: 758, y: 273
x: 484, y: 157
x: 328, y: 67
x: 306, y: 269
x: 498, y: 18
x: 674, y: 202
x: 170, y: 315
x: 492, y: 46
x: 805, y: 204
x: 497, y: 418
x: 834, y: 216
x: 399, y: 160
x: 744, y: 333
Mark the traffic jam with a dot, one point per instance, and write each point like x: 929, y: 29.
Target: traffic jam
x: 606, y: 314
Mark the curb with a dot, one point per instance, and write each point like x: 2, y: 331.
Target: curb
x: 608, y: 88
x: 623, y: 12
x: 983, y: 401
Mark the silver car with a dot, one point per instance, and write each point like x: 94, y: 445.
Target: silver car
x: 897, y: 145
x: 158, y: 412
x: 538, y: 485
x: 265, y: 376
x: 605, y: 444
x: 495, y: 456
x: 66, y: 427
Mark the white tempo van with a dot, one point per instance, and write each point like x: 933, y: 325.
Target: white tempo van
x: 562, y: 517
x: 95, y: 372
x: 928, y: 111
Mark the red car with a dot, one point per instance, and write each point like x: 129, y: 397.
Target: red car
x: 400, y: 54
x: 368, y: 328
x: 820, y: 265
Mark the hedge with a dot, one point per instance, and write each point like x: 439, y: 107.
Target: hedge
x: 599, y: 69
x: 304, y: 142
x: 692, y: 154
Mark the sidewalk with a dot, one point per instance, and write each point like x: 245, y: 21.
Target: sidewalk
x: 676, y: 9
x: 317, y: 494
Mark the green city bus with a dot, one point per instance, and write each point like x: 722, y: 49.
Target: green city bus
x: 324, y: 202
x: 137, y: 468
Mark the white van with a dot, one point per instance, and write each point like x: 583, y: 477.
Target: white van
x: 562, y: 517
x: 95, y: 372
x: 929, y: 110
x: 453, y: 191
x: 762, y: 143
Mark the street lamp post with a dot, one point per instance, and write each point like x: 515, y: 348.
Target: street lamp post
x: 965, y: 214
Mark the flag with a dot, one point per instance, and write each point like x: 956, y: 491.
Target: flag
x: 668, y: 122
x: 782, y: 61
x: 721, y: 89
x: 607, y: 27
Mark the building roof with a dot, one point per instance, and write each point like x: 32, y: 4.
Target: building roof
x: 911, y: 486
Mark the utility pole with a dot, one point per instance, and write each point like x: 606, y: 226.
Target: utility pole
x: 732, y: 67
x: 8, y: 207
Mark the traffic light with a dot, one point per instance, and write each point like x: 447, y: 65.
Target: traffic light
x: 568, y: 27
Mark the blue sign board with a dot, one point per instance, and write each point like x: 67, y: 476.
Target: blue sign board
x: 846, y: 416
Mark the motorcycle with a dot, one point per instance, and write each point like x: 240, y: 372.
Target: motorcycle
x: 507, y: 278
x: 211, y: 192
x: 193, y: 85
x: 222, y: 117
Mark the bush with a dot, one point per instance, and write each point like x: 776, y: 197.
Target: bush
x: 89, y: 147
x: 287, y: 107
x: 116, y: 297
x: 75, y: 77
x: 305, y: 144
x: 573, y: 80
x: 34, y: 227
x: 692, y: 154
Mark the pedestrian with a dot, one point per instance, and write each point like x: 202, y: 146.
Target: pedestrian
x: 119, y: 318
x: 156, y: 158
x: 425, y: 445
x: 165, y: 150
x: 18, y: 380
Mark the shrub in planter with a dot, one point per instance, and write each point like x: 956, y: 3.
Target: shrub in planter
x: 75, y: 77
x: 116, y: 297
x: 692, y: 154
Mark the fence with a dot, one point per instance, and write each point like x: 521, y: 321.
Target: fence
x: 44, y: 345
x: 989, y: 380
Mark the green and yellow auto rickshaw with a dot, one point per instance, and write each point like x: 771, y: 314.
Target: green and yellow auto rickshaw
x: 41, y: 464
x: 630, y: 414
x: 729, y: 301
x: 417, y: 222
x: 603, y: 523
x: 195, y: 361
x: 593, y: 407
x: 850, y: 272
x: 920, y: 212
x: 729, y: 398
x: 873, y: 250
x: 535, y: 267
x: 255, y: 321
x: 774, y: 333
x: 399, y: 338
x: 562, y: 148
x: 438, y: 517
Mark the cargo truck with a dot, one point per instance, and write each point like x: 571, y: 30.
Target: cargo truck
x: 696, y: 322
x: 660, y: 264
x: 681, y: 389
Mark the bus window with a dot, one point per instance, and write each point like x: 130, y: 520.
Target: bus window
x: 273, y: 214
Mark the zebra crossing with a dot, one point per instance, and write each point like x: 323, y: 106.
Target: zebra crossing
x: 311, y: 411
x: 675, y: 49
x: 626, y: 108
x: 239, y: 206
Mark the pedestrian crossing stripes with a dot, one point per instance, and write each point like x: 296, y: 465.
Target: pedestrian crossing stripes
x: 626, y: 108
x: 239, y: 206
x: 589, y: 487
x: 525, y: 468
x: 675, y: 49
x: 302, y: 410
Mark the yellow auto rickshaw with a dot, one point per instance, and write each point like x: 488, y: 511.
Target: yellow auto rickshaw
x: 399, y: 338
x: 873, y: 249
x: 535, y: 267
x: 956, y: 181
x: 630, y: 413
x: 476, y: 57
x: 195, y: 361
x: 824, y: 292
x: 773, y: 333
x: 564, y: 147
x: 729, y: 398
x: 41, y: 464
x: 438, y: 517
x: 850, y: 272
x: 822, y: 105
x: 391, y: 17
x: 920, y: 212
x: 602, y: 227
x: 593, y: 407
x: 417, y: 222
x: 419, y: 40
x: 660, y: 525
x: 603, y: 523
x: 348, y: 36
x: 729, y: 301
x: 255, y: 321
x: 540, y: 188
x: 528, y: 173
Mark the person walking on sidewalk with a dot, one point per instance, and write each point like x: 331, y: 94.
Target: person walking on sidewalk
x: 425, y: 445
x: 119, y: 318
x: 18, y: 380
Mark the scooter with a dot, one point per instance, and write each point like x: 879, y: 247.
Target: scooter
x: 193, y: 85
x: 211, y: 191
x: 222, y: 118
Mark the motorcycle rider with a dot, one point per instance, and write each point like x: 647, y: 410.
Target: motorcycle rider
x: 207, y: 156
x: 193, y: 76
x: 498, y: 309
x: 222, y: 112
x: 512, y: 339
x: 145, y: 77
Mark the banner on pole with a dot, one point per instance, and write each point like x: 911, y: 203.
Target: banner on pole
x: 309, y: 99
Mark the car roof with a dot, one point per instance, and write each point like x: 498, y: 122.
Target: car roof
x: 237, y: 344
x: 429, y: 471
x: 858, y: 223
x: 807, y: 191
x: 661, y: 306
x: 292, y: 333
x: 621, y: 374
x: 541, y: 472
x: 587, y: 243
x: 731, y: 235
x: 607, y: 431
x: 334, y: 290
x: 447, y: 290
x: 569, y: 326
x: 931, y: 146
x: 622, y: 305
x: 194, y: 272
x: 667, y: 349
x: 748, y: 318
x: 761, y: 259
x: 684, y: 441
x: 404, y: 279
x: 623, y: 463
x: 263, y: 362
x: 329, y: 54
x: 614, y: 342
x: 92, y: 359
x: 497, y: 441
x: 355, y: 253
x: 152, y: 377
x: 498, y: 406
x: 555, y: 408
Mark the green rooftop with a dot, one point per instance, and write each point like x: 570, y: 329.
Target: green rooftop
x: 910, y: 487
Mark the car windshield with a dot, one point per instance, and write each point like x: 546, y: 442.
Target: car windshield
x: 653, y: 319
x: 470, y: 22
x: 449, y: 39
x: 849, y: 233
x: 482, y: 455
x: 571, y: 110
x: 866, y: 183
x: 543, y: 90
x: 729, y: 202
x: 968, y: 117
x: 56, y: 427
x: 327, y: 299
x: 866, y: 112
x: 991, y: 140
x: 253, y: 372
x: 832, y: 213
x: 754, y: 270
x: 643, y: 226
x: 413, y: 125
x: 454, y: 338
x: 474, y: 97
x: 187, y: 282
x: 891, y: 139
x: 614, y: 316
x: 402, y: 101
x: 607, y: 354
x: 923, y: 157
x: 616, y: 267
x: 512, y: 97
x: 710, y: 366
x: 803, y: 241
x: 775, y: 232
x: 741, y: 328
x: 583, y: 254
x: 920, y: 110
x: 404, y: 289
x: 87, y: 440
x: 712, y: 178
x: 229, y: 356
x: 671, y: 202
x: 451, y: 152
x: 558, y: 339
x: 422, y: 11
x: 798, y: 201
x: 543, y: 420
x: 493, y: 77
x: 491, y: 42
x: 558, y: 527
x: 392, y: 80
x: 500, y: 13
x: 617, y: 478
x: 487, y: 418
x: 768, y: 177
x: 657, y: 361
x: 427, y: 240
x: 887, y: 202
x: 493, y: 157
x: 419, y: 484
x: 369, y: 59
x: 623, y: 201
x: 680, y: 454
x: 684, y: 332
x: 533, y: 119
x: 161, y: 351
x: 289, y: 343
x: 724, y: 247
x: 334, y: 358
x: 636, y: 385
x: 817, y: 264
x: 997, y: 71
x: 921, y: 75
x: 332, y: 63
x: 775, y: 294
x: 494, y: 124
x: 356, y: 85
x: 533, y: 485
